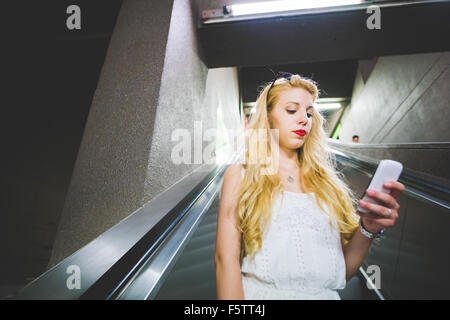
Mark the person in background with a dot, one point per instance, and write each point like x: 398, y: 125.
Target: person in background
x: 355, y: 138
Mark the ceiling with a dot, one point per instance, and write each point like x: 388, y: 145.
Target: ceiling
x: 406, y: 27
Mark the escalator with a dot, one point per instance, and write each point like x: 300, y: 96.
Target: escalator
x: 194, y: 274
x: 173, y: 258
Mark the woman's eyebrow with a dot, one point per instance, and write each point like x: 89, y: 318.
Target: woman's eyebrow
x: 294, y: 102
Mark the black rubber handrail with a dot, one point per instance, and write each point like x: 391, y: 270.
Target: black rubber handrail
x: 418, y: 187
x: 101, y: 279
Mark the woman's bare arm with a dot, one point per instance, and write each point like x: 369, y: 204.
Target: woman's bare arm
x: 228, y: 239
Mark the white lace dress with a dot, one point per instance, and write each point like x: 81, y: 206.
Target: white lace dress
x: 301, y: 256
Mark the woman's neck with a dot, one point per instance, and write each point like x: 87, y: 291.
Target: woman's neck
x: 288, y: 159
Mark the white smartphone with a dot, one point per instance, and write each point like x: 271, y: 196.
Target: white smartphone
x: 387, y: 170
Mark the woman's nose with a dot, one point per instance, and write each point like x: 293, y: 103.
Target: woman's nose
x: 303, y: 118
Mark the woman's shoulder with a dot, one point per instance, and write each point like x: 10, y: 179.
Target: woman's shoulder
x: 234, y: 171
x: 231, y: 181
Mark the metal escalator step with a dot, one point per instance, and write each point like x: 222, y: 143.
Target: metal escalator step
x: 207, y: 224
x: 210, y: 216
x: 188, y: 278
x: 210, y: 226
x: 200, y: 242
x: 200, y: 255
x: 205, y: 234
x: 205, y: 291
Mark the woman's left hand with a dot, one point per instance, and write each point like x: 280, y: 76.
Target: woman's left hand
x: 381, y: 215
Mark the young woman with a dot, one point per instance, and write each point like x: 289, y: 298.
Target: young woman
x: 292, y: 234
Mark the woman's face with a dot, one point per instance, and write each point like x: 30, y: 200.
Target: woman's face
x: 292, y: 112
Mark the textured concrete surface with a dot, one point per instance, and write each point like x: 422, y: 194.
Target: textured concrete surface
x: 188, y: 93
x: 405, y: 99
x: 152, y: 82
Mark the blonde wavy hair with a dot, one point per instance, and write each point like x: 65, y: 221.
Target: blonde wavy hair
x: 318, y: 174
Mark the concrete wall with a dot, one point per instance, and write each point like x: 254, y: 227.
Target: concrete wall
x: 331, y: 119
x: 152, y: 82
x: 405, y: 99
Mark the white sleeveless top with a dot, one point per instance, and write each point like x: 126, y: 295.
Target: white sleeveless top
x: 301, y: 256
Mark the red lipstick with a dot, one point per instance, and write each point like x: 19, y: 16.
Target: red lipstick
x: 300, y: 132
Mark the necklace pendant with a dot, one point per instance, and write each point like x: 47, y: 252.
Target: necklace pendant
x: 290, y: 179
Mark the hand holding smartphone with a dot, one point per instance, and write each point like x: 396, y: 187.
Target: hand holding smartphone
x: 387, y: 170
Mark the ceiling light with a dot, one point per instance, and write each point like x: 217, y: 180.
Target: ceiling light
x: 284, y: 5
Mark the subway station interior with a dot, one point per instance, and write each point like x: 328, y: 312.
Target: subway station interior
x: 89, y: 181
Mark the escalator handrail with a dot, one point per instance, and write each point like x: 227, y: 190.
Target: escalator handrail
x: 417, y: 187
x: 147, y: 281
x: 107, y: 260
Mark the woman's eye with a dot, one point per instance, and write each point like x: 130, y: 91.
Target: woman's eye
x: 309, y: 115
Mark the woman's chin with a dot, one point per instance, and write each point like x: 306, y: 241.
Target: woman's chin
x: 293, y: 144
x: 297, y: 145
